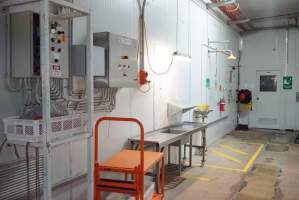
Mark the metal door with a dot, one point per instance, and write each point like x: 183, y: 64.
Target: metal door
x: 268, y: 99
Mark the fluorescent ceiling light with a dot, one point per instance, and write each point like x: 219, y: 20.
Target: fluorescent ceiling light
x: 182, y: 57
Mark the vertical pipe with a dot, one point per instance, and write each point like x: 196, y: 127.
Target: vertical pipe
x: 45, y: 69
x: 286, y: 73
x: 90, y: 96
x: 286, y: 52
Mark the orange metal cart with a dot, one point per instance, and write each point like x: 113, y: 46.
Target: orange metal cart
x: 129, y: 163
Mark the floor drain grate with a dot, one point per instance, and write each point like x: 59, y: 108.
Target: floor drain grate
x: 172, y: 177
x: 277, y: 148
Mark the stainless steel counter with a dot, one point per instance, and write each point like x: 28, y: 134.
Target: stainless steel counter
x: 162, y: 138
x: 175, y: 135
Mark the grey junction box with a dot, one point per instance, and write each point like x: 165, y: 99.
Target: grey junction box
x: 121, y: 66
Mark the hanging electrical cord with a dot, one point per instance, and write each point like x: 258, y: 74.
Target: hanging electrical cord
x: 143, y: 37
x: 16, y: 151
x: 28, y: 171
x: 37, y: 184
x: 3, y: 143
x: 148, y: 57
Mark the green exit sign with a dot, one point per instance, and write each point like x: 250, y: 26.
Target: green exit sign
x: 287, y: 82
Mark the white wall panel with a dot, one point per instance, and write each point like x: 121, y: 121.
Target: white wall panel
x: 265, y: 50
x: 184, y: 84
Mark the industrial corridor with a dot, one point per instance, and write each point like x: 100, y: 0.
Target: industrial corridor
x: 149, y: 100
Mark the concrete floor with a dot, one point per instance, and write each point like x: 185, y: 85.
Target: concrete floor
x: 229, y: 161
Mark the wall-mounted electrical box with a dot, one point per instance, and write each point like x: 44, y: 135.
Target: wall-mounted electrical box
x: 25, y: 46
x: 120, y: 69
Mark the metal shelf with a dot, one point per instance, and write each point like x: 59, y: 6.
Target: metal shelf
x: 58, y: 9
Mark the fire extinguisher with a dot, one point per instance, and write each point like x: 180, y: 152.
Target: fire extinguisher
x: 222, y: 105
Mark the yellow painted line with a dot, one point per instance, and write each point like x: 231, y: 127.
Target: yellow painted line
x: 246, y: 167
x: 233, y: 149
x: 253, y: 158
x: 253, y: 143
x: 224, y: 168
x: 200, y: 178
x: 218, y: 167
x: 220, y: 154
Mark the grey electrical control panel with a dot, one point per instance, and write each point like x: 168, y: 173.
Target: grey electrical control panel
x: 120, y: 68
x: 25, y: 46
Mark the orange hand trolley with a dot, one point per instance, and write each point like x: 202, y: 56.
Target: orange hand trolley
x: 127, y: 162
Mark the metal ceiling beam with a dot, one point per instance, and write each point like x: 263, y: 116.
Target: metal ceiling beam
x: 284, y: 16
x: 220, y: 4
x: 242, y: 21
x: 255, y: 29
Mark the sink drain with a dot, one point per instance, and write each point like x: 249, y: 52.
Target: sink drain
x: 277, y: 148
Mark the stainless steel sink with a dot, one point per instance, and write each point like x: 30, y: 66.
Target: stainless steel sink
x: 173, y: 131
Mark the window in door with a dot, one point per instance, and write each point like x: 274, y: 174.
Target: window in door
x: 268, y: 83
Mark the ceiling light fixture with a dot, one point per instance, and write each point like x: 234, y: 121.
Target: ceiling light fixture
x: 181, y: 56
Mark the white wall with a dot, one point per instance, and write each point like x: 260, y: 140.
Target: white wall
x: 184, y: 84
x: 265, y: 50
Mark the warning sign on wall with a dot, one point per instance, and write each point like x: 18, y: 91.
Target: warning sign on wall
x: 287, y: 82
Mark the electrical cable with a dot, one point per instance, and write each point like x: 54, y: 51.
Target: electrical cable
x: 3, y: 143
x: 148, y: 59
x: 16, y: 151
x: 37, y: 184
x: 28, y: 171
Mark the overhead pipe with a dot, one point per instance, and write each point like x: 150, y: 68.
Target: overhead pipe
x: 254, y: 29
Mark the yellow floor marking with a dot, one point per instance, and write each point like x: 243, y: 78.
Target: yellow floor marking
x: 224, y: 168
x: 253, y: 143
x: 253, y: 158
x: 218, y: 153
x: 233, y: 149
x: 246, y: 167
x: 201, y: 178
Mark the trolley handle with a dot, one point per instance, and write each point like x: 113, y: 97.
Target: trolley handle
x: 119, y: 119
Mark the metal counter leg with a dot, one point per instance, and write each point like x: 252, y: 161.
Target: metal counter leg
x: 190, y: 152
x: 204, y: 147
x: 185, y: 151
x: 157, y: 171
x: 180, y: 158
x: 168, y: 155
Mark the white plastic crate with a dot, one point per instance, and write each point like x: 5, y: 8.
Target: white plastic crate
x: 32, y: 130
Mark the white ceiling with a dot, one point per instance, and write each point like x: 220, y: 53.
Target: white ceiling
x: 268, y: 8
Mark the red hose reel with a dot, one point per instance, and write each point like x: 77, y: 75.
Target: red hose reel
x: 245, y: 96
